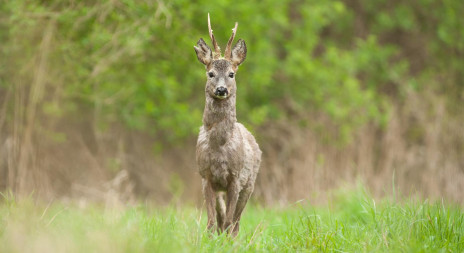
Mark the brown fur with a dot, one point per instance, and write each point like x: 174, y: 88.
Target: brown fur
x: 227, y: 154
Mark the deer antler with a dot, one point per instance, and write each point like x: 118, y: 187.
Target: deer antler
x: 217, y: 50
x: 227, y: 53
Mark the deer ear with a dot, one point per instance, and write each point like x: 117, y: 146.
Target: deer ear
x: 239, y: 52
x: 204, y: 53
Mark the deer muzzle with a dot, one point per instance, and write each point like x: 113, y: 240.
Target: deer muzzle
x: 221, y: 92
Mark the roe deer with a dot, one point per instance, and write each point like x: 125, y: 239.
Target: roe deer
x: 227, y: 154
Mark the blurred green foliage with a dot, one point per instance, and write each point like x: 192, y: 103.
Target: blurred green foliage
x: 133, y: 61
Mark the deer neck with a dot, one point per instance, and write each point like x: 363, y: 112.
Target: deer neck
x: 219, y: 119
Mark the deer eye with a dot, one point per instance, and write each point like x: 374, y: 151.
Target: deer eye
x: 231, y: 75
x: 211, y: 74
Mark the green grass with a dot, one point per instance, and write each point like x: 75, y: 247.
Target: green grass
x: 352, y: 222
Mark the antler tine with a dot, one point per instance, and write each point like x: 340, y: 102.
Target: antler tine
x: 227, y: 52
x: 217, y: 50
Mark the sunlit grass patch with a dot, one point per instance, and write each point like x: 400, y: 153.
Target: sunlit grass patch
x: 352, y: 222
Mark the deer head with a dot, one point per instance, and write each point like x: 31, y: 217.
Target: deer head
x: 220, y: 71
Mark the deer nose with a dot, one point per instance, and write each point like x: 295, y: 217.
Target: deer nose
x: 221, y: 91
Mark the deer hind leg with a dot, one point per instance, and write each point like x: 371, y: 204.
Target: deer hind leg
x: 210, y: 199
x: 220, y: 212
x: 241, y: 203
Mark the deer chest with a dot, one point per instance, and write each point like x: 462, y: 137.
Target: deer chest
x: 219, y: 163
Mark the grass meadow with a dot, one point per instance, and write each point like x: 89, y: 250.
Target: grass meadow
x: 350, y: 222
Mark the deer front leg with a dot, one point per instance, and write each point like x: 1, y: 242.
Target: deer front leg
x: 241, y: 203
x: 232, y: 198
x: 210, y: 199
x: 220, y: 211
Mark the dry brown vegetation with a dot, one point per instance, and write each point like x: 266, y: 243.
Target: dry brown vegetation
x: 297, y: 162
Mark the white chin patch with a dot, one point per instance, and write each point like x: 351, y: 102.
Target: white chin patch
x: 222, y: 97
